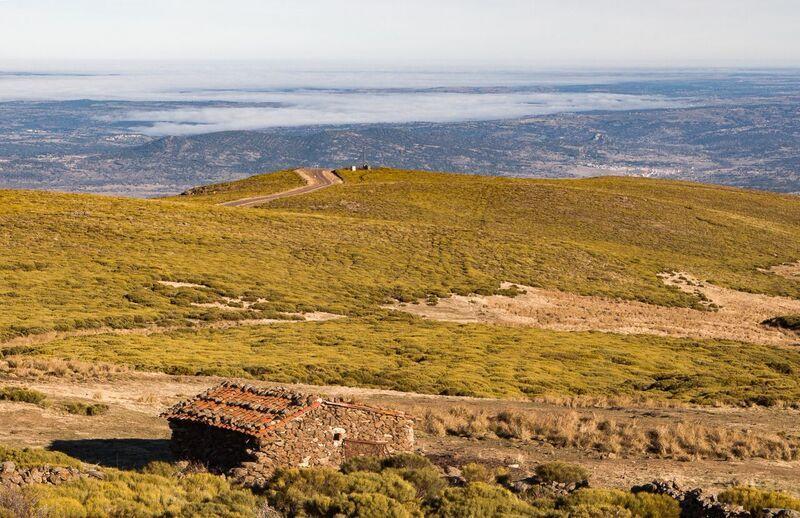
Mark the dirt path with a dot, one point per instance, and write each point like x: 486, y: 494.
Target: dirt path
x: 738, y: 317
x: 131, y: 432
x: 315, y: 179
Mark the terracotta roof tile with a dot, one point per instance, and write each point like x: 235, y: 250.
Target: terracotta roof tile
x: 243, y: 408
x: 252, y: 410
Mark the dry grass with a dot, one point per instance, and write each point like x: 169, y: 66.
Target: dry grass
x: 14, y: 503
x: 24, y: 367
x: 616, y: 401
x: 682, y: 441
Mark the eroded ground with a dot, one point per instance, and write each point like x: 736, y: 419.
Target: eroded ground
x: 788, y: 270
x: 732, y: 315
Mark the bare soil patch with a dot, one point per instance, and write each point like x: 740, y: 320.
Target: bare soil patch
x: 732, y: 315
x: 788, y: 270
x: 175, y: 284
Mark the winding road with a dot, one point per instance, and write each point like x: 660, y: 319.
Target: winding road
x: 315, y: 179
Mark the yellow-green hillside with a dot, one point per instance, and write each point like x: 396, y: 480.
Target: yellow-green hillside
x: 257, y: 185
x: 72, y: 261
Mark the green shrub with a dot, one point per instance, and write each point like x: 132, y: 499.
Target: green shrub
x: 428, y: 482
x: 88, y: 409
x: 562, y: 472
x: 326, y: 492
x: 21, y: 394
x: 28, y: 457
x: 143, y: 494
x: 642, y: 505
x: 479, y: 499
x: 474, y: 472
x: 362, y: 463
x: 367, y: 505
x: 407, y: 461
x: 754, y: 499
x: 415, y: 469
x: 599, y: 511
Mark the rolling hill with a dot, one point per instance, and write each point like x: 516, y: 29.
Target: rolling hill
x: 161, y: 284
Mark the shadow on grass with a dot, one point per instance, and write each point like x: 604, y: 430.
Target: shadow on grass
x: 115, y: 453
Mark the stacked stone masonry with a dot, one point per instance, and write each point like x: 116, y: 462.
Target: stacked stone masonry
x: 12, y: 475
x: 249, y: 432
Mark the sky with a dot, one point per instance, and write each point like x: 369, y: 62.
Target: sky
x: 496, y: 33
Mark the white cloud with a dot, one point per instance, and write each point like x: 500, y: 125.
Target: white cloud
x: 336, y: 108
x: 309, y: 97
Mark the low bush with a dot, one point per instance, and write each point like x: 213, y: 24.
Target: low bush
x: 88, y: 409
x: 326, y: 492
x: 479, y: 499
x: 585, y: 502
x: 22, y: 394
x: 754, y: 499
x: 144, y: 494
x: 28, y: 457
x: 474, y: 472
x: 562, y: 472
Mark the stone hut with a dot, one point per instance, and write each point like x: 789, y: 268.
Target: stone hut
x: 250, y: 431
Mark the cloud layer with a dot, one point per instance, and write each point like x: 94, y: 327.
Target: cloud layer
x: 246, y: 97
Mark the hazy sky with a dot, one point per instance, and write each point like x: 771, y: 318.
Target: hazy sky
x: 493, y: 32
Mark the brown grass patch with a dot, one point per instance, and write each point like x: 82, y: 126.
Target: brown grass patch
x: 36, y: 367
x: 723, y: 313
x: 683, y: 440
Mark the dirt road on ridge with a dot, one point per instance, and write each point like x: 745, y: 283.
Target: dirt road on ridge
x: 315, y: 179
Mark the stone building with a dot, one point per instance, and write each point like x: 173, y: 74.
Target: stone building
x: 250, y: 431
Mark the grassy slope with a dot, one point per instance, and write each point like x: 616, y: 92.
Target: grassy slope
x: 257, y: 185
x: 408, y: 354
x: 71, y: 261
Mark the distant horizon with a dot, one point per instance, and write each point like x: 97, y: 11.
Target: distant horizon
x: 450, y: 66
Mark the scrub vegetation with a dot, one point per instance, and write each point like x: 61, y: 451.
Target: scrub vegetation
x: 74, y: 262
x: 404, y: 353
x: 402, y: 486
x: 21, y: 394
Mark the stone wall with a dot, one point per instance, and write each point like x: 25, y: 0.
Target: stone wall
x: 320, y: 437
x: 12, y: 475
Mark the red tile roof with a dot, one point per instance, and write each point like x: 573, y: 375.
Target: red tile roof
x: 252, y: 410
x: 243, y: 408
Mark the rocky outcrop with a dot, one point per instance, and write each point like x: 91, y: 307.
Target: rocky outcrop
x: 13, y: 476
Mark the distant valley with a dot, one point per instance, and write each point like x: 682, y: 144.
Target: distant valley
x: 739, y: 130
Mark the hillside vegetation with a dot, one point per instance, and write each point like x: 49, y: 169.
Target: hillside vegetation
x: 412, y: 355
x: 257, y: 185
x: 76, y: 261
